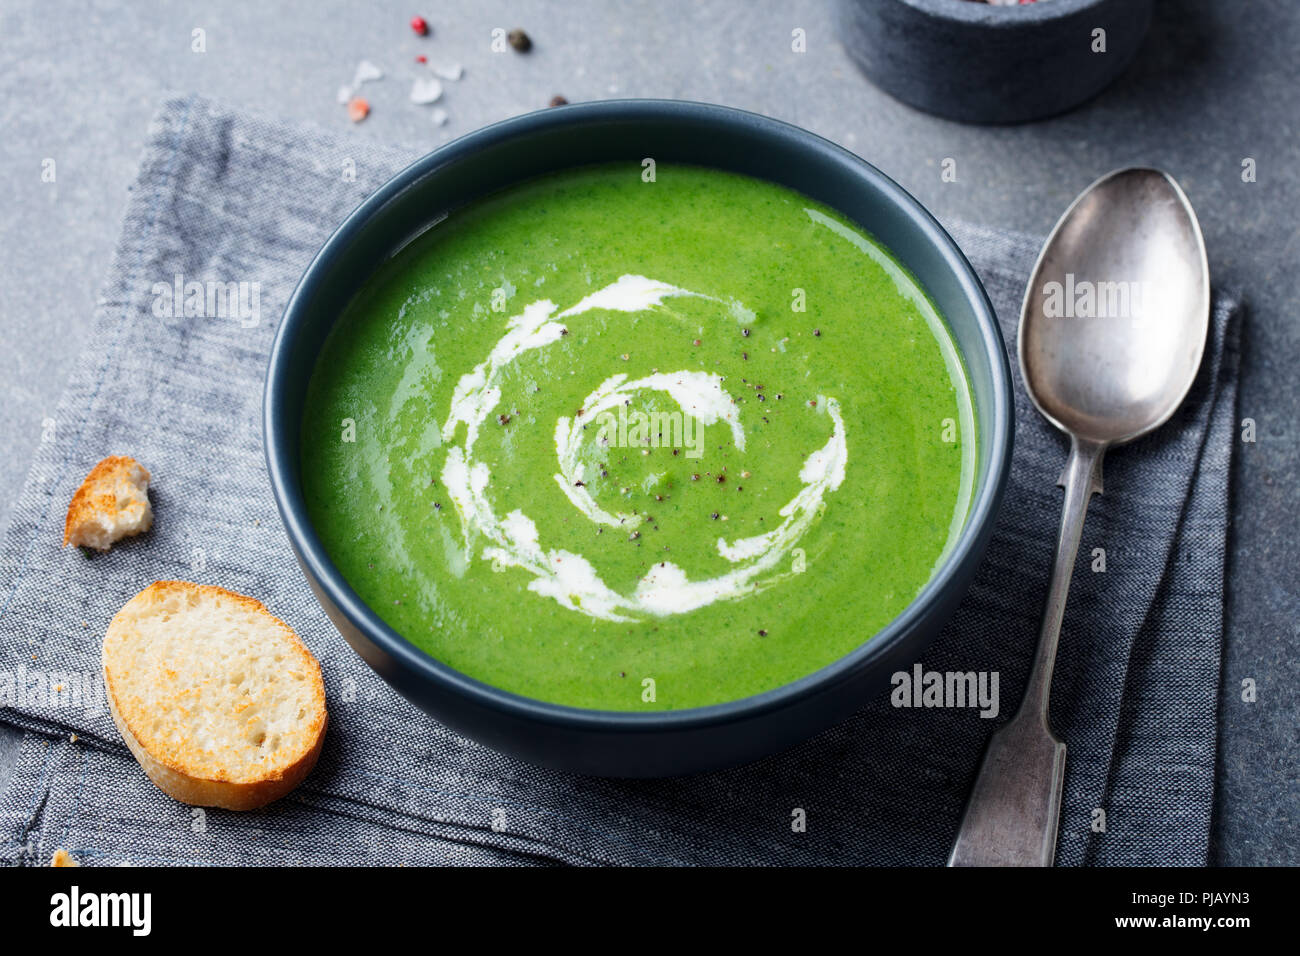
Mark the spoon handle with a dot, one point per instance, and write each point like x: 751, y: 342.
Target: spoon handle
x: 1015, y: 806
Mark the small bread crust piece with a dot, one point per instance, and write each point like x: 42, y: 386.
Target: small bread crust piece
x: 220, y: 702
x: 112, y: 503
x: 63, y: 858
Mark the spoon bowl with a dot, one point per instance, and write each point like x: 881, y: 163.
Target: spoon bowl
x: 1115, y: 316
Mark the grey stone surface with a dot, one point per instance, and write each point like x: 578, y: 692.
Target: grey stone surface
x: 1213, y: 84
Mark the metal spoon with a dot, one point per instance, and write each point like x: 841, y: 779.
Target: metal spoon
x: 1104, y: 369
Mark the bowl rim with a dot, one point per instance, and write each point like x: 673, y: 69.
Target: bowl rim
x: 985, y: 14
x: 997, y: 429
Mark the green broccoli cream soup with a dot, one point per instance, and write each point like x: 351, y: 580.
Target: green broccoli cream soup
x: 634, y: 445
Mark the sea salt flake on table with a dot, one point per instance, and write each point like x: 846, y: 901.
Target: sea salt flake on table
x: 426, y: 90
x: 450, y: 71
x: 366, y: 71
x: 439, y: 116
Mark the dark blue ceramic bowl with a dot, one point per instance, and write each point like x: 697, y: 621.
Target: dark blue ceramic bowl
x: 655, y: 743
x: 979, y: 63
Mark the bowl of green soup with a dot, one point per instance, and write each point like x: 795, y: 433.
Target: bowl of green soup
x: 639, y: 438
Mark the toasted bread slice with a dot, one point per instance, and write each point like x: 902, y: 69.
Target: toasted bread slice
x: 111, y: 503
x: 220, y: 702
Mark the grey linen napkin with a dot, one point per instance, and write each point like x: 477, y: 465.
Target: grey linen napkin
x: 227, y: 197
